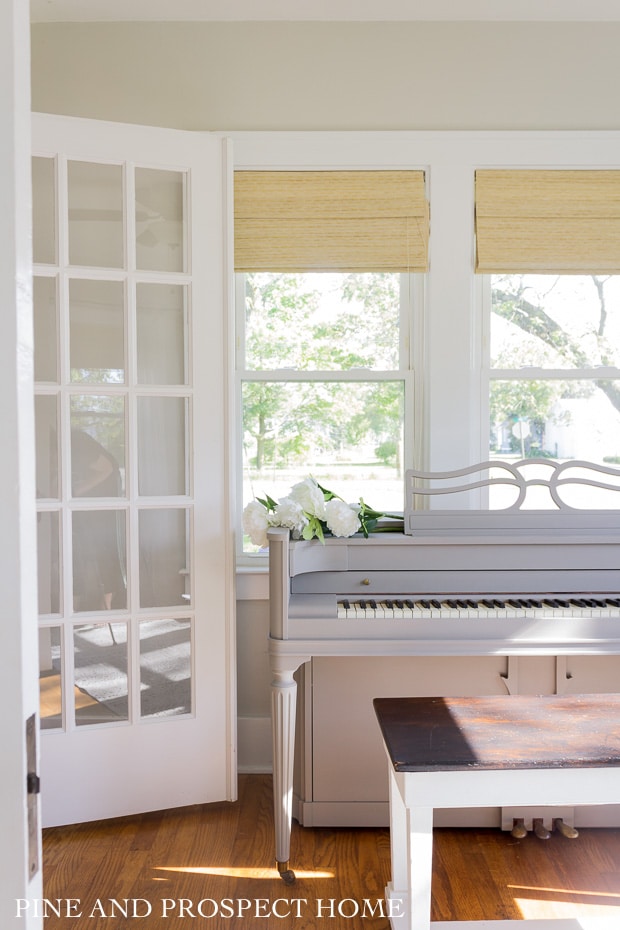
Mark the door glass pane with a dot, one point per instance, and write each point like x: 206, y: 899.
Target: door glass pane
x: 161, y: 329
x: 97, y: 331
x: 48, y: 564
x: 46, y: 441
x: 164, y: 555
x: 160, y: 216
x: 100, y: 661
x: 99, y: 560
x: 43, y: 210
x: 97, y: 445
x: 45, y: 329
x: 162, y: 426
x: 50, y: 678
x: 95, y: 194
x: 165, y: 668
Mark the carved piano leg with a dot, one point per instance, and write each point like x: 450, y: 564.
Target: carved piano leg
x: 283, y: 701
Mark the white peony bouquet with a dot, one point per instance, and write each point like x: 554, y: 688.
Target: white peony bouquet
x: 311, y: 512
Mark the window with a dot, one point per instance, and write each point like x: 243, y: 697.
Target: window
x: 326, y: 260
x: 554, y: 335
x: 325, y: 380
x: 555, y: 375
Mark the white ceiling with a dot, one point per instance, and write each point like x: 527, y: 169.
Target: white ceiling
x: 324, y: 10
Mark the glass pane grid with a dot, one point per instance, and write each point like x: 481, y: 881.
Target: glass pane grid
x: 112, y: 354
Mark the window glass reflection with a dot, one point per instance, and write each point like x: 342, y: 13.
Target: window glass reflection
x: 45, y: 329
x: 99, y: 560
x: 161, y: 321
x: 97, y: 445
x: 95, y: 214
x: 101, y: 683
x: 43, y: 210
x: 165, y: 668
x: 164, y: 553
x: 160, y: 220
x: 97, y: 331
x: 50, y: 678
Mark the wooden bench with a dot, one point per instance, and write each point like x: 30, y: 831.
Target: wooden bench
x: 508, y: 750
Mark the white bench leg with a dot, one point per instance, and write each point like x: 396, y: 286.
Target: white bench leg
x: 408, y: 895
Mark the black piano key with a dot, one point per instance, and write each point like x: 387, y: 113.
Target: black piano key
x: 409, y: 604
x: 389, y: 604
x: 436, y: 604
x: 362, y: 604
x: 399, y: 604
x: 346, y: 604
x: 373, y: 604
x: 425, y: 605
x: 487, y: 603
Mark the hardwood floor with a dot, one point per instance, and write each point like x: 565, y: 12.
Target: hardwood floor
x: 165, y: 864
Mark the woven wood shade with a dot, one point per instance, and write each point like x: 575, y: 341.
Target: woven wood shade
x: 331, y: 221
x: 555, y: 222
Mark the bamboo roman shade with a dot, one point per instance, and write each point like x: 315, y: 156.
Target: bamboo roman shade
x: 331, y: 221
x: 547, y: 221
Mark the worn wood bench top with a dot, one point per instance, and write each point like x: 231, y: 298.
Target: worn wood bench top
x: 425, y: 734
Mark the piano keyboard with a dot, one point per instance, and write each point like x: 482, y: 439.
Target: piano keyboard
x: 484, y: 607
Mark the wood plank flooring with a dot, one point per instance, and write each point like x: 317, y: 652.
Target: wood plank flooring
x: 159, y: 867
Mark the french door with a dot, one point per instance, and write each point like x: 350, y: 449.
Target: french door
x: 134, y: 552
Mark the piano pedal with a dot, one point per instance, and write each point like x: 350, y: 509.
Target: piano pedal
x: 540, y: 829
x: 519, y: 830
x: 565, y: 829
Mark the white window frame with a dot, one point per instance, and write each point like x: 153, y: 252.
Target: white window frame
x: 452, y: 367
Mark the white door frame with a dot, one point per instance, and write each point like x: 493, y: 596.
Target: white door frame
x: 20, y: 870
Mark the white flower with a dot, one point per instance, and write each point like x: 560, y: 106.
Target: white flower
x: 290, y: 513
x: 255, y: 523
x: 341, y: 518
x: 308, y: 494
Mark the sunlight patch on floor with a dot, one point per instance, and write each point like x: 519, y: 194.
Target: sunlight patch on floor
x: 562, y: 902
x: 234, y: 872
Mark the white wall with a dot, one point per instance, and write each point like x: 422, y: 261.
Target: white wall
x: 331, y: 75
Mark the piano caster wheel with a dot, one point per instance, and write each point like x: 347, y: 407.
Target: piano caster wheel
x: 565, y: 829
x: 287, y: 875
x: 518, y: 830
x: 540, y: 829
